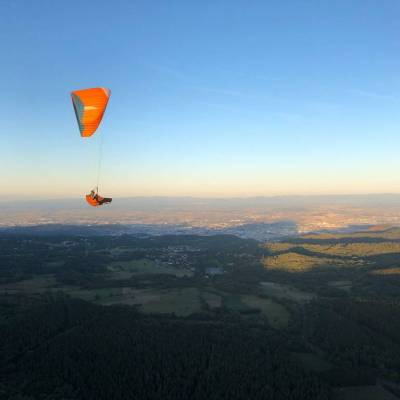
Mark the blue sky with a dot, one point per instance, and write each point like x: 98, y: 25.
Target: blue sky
x: 209, y: 98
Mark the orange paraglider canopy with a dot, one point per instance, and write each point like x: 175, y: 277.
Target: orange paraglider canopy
x: 89, y: 106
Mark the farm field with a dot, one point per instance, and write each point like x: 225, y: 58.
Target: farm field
x: 277, y: 315
x: 181, y: 302
x: 296, y: 262
x: 282, y: 291
x: 127, y: 269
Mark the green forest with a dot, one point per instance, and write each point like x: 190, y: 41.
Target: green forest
x: 200, y: 317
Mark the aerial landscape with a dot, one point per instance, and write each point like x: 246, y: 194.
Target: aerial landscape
x: 199, y: 200
x: 288, y: 298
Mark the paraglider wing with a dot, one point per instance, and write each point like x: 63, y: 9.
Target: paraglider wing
x: 89, y: 106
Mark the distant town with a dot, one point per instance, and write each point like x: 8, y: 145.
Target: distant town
x: 264, y: 218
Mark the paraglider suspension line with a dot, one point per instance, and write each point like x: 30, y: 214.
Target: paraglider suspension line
x: 100, y: 160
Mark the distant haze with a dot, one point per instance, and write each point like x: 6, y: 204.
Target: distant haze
x: 307, y: 212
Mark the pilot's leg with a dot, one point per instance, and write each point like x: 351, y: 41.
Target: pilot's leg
x: 105, y: 200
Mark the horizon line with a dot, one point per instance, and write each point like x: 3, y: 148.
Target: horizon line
x: 7, y: 199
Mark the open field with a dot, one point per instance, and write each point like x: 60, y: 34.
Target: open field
x: 364, y: 249
x: 341, y: 249
x: 282, y: 291
x: 181, y: 302
x: 376, y: 232
x: 234, y: 302
x: 115, y: 251
x: 98, y: 295
x: 386, y: 271
x: 131, y: 296
x: 127, y: 269
x: 295, y: 262
x: 38, y: 284
x: 355, y: 249
x: 277, y: 314
x: 213, y: 300
x: 342, y: 285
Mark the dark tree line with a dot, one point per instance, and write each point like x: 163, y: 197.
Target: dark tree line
x: 70, y: 349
